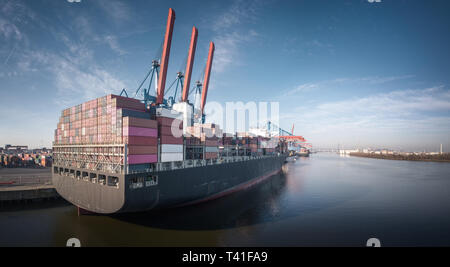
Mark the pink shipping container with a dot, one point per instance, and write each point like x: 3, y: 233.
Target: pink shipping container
x: 139, y: 159
x: 138, y: 131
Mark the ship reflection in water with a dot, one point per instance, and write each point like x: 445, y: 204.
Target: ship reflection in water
x: 323, y: 200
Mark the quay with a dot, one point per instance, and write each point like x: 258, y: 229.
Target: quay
x: 27, y: 193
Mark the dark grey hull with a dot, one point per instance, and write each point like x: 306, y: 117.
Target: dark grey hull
x: 173, y: 188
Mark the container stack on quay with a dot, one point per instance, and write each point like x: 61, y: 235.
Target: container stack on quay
x: 25, y: 160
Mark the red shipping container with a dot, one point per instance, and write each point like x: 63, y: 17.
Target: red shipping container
x: 140, y: 140
x: 171, y: 140
x: 138, y: 122
x: 164, y: 121
x: 210, y: 155
x: 123, y: 102
x: 211, y: 143
x: 142, y: 150
x: 167, y: 131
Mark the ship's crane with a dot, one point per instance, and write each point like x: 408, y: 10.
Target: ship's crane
x: 295, y: 142
x: 202, y: 87
x: 207, y: 76
x: 281, y: 132
x: 158, y: 71
x: 189, y: 65
x: 165, y: 57
x: 184, y: 80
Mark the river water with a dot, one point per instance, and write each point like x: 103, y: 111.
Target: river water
x: 323, y: 200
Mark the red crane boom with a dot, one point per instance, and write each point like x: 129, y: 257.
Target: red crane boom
x: 190, y: 63
x: 207, y: 76
x: 165, y: 56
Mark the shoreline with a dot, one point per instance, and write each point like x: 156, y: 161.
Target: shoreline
x: 425, y: 158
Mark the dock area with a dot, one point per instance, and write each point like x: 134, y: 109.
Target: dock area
x: 26, y: 185
x: 27, y: 193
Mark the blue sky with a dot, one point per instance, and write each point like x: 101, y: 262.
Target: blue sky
x: 345, y: 72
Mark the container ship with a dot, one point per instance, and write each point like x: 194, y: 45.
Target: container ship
x: 118, y: 154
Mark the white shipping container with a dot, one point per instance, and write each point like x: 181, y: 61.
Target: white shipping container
x: 211, y: 149
x: 186, y: 110
x: 168, y: 157
x: 168, y: 113
x: 171, y: 148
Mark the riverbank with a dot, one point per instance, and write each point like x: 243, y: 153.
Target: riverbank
x: 421, y: 157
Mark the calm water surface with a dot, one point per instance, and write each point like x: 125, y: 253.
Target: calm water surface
x: 324, y: 200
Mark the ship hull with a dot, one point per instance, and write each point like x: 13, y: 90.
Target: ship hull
x: 177, y: 187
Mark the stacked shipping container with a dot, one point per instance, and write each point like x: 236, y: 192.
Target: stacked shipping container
x: 111, y: 120
x: 170, y: 131
x: 94, y: 127
x: 209, y: 137
x: 203, y: 141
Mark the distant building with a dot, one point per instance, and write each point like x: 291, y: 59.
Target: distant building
x: 15, y: 148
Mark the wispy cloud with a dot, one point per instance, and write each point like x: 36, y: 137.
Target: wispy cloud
x: 228, y: 46
x: 9, y: 30
x: 411, y: 114
x: 373, y: 80
x: 229, y: 38
x: 404, y: 102
x: 112, y: 42
x: 14, y: 16
x: 76, y: 76
x: 241, y: 11
x: 296, y: 45
x: 118, y: 10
